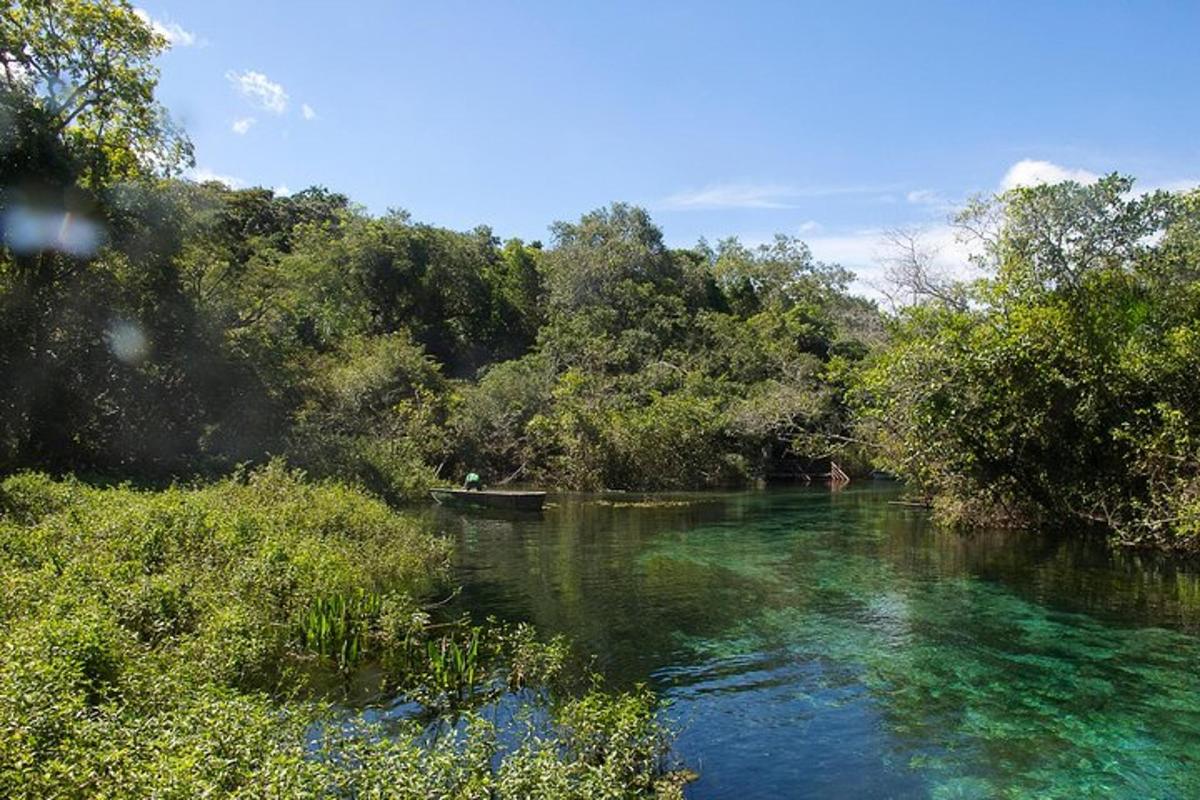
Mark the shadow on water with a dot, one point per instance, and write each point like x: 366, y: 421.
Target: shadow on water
x: 817, y: 644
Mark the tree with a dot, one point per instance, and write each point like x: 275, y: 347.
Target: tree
x: 603, y: 258
x: 779, y: 274
x: 87, y: 67
x: 1054, y: 388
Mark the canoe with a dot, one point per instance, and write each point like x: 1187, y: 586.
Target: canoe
x: 490, y: 498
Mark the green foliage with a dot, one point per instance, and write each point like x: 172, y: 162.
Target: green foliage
x: 606, y: 260
x: 29, y: 496
x: 678, y: 437
x: 86, y: 66
x: 337, y: 626
x: 1063, y: 390
x: 374, y: 413
x: 608, y: 742
x: 171, y: 643
x: 781, y: 274
x: 668, y: 369
x: 453, y: 665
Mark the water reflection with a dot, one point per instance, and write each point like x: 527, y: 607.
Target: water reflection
x: 820, y: 644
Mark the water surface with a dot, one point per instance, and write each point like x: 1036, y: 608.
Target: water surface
x: 818, y: 644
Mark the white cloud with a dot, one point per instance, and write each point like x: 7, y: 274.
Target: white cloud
x: 1030, y: 172
x: 810, y: 226
x: 864, y: 252
x: 308, y: 111
x: 750, y: 195
x: 924, y: 197
x: 859, y: 250
x: 204, y: 175
x: 173, y: 32
x: 730, y: 195
x: 259, y: 90
x: 241, y: 126
x: 282, y: 190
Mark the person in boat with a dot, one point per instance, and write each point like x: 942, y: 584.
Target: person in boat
x: 473, y: 482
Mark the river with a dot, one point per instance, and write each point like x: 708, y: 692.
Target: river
x: 827, y: 644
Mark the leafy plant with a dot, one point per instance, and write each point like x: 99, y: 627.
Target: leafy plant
x: 338, y: 627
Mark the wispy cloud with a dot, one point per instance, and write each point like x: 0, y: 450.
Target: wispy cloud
x: 731, y: 195
x: 924, y: 197
x: 173, y: 32
x: 750, y: 195
x: 241, y: 126
x: 204, y: 175
x: 307, y: 111
x: 260, y: 90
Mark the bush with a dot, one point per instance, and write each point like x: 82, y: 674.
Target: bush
x: 185, y: 642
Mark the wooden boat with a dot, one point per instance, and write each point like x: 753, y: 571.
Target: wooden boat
x: 490, y: 498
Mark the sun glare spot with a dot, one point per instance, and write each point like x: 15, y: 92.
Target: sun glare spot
x: 127, y: 341
x: 31, y: 230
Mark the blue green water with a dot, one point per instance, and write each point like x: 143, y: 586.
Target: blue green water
x: 817, y: 644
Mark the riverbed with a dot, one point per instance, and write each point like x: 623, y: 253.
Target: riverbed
x: 811, y: 643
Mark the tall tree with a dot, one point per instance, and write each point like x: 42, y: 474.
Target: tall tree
x: 87, y: 67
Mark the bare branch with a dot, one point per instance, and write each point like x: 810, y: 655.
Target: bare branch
x: 910, y: 270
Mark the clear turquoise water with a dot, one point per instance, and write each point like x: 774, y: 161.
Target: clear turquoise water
x: 814, y: 644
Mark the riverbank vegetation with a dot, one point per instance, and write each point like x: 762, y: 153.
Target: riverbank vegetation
x: 214, y: 641
x: 157, y: 328
x: 1059, y: 387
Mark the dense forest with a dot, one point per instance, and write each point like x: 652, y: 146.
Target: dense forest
x: 184, y: 328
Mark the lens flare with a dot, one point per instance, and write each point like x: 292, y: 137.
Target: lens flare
x: 127, y: 342
x: 31, y: 230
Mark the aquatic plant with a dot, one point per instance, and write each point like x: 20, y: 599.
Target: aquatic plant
x: 454, y: 664
x: 338, y: 626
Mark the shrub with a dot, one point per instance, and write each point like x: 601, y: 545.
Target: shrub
x: 186, y: 642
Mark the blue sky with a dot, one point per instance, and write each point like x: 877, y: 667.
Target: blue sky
x: 831, y: 121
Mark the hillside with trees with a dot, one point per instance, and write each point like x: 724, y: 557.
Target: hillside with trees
x: 184, y: 328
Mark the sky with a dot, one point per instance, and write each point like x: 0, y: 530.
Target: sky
x: 829, y: 121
